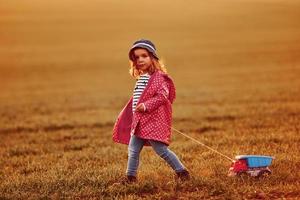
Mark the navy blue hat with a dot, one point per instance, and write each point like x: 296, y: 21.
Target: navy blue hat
x: 145, y: 44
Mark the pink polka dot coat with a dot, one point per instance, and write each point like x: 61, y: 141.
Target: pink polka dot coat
x: 155, y: 122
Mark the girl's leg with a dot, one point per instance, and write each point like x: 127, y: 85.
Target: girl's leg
x: 135, y: 146
x: 169, y: 156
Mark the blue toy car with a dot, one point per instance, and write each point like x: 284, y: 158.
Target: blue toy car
x: 253, y: 165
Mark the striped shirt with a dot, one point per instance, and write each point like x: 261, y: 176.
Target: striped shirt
x: 140, y: 85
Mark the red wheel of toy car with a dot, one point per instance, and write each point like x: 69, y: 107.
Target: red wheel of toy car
x: 243, y: 175
x: 264, y: 174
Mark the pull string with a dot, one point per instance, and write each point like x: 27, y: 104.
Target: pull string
x: 202, y: 144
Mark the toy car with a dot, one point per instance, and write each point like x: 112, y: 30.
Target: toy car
x: 253, y: 165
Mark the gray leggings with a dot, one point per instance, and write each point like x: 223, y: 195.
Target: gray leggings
x: 136, y: 145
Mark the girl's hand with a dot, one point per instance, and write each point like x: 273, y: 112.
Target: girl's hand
x: 140, y: 108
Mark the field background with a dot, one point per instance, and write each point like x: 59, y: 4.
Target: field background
x: 64, y: 78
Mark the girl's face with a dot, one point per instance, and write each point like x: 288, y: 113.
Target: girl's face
x: 142, y: 59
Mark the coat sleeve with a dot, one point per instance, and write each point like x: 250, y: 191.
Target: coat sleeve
x: 161, y: 97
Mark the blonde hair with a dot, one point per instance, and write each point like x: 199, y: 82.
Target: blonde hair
x: 156, y: 65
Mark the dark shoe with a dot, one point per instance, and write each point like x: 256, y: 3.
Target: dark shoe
x: 131, y: 179
x: 183, y: 175
x: 128, y: 180
x: 125, y: 180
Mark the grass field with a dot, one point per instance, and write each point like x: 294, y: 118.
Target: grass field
x: 64, y: 79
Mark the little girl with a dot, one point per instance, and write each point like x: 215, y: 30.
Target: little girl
x: 146, y: 118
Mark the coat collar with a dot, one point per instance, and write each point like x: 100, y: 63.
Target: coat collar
x: 155, y: 75
x: 148, y: 85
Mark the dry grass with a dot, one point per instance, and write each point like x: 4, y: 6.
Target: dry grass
x: 63, y: 71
